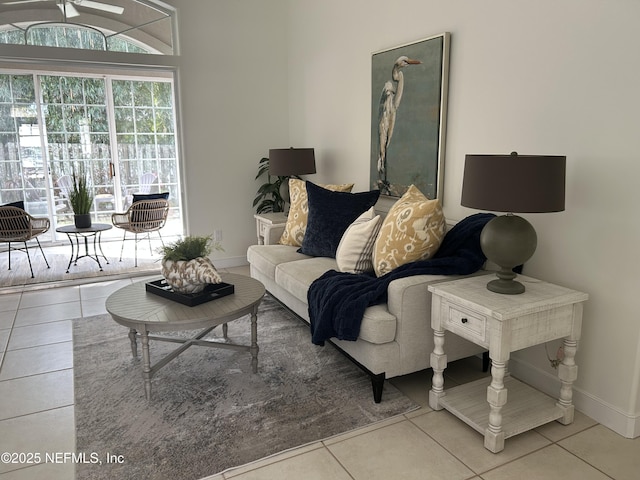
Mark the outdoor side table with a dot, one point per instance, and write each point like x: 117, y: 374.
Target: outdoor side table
x: 95, y: 231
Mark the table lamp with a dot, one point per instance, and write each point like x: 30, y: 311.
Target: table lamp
x: 290, y: 162
x: 513, y: 184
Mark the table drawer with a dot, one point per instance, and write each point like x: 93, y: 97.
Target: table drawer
x: 465, y: 323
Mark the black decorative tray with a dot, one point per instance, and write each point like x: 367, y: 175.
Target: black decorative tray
x: 212, y: 291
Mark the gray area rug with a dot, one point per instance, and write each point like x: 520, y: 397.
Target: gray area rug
x: 208, y: 412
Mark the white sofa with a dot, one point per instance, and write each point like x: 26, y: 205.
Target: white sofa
x: 395, y: 338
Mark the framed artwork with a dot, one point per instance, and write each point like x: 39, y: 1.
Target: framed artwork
x: 408, y: 117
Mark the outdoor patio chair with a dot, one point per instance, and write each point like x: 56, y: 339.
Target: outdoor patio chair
x: 142, y: 217
x: 145, y: 181
x: 17, y: 226
x: 65, y: 184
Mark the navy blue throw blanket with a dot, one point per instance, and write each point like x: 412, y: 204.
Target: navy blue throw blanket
x: 337, y: 301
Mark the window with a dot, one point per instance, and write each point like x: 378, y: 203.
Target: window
x: 121, y: 131
x: 135, y: 26
x: 115, y: 119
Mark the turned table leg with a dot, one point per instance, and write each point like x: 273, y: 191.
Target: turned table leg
x: 254, y: 340
x: 146, y: 364
x: 438, y: 363
x: 567, y: 373
x: 134, y: 342
x: 497, y: 397
x: 568, y: 370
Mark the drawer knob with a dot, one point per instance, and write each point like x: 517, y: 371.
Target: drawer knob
x: 464, y: 320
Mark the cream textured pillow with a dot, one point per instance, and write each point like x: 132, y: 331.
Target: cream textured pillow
x: 412, y: 230
x: 299, y: 210
x: 355, y: 250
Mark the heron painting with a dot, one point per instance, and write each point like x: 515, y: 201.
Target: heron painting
x: 408, y: 113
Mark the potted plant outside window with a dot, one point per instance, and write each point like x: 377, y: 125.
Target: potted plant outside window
x: 81, y: 199
x: 186, y: 266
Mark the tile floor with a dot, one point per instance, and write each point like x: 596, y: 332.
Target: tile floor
x: 37, y: 415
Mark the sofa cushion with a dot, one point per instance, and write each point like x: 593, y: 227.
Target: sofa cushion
x: 378, y: 325
x: 299, y: 210
x: 355, y: 250
x: 330, y: 213
x: 296, y: 276
x: 412, y: 230
x: 267, y: 259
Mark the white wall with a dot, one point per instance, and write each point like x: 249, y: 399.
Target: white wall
x: 233, y: 100
x: 548, y: 77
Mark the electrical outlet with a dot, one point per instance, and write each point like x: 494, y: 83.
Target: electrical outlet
x: 217, y: 235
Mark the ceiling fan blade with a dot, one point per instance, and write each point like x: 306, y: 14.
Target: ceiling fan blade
x: 70, y: 10
x: 99, y: 6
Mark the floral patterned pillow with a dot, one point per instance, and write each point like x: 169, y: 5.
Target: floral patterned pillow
x: 412, y: 230
x: 299, y: 211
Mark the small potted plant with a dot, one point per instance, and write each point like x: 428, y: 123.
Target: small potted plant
x: 81, y: 199
x: 186, y: 265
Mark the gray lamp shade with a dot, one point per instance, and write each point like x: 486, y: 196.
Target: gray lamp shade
x: 514, y: 183
x: 286, y: 162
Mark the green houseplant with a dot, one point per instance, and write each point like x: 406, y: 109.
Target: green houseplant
x: 186, y: 266
x: 189, y: 248
x: 268, y: 197
x: 81, y: 198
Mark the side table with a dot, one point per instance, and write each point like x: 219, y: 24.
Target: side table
x: 264, y: 220
x: 95, y: 231
x: 503, y: 324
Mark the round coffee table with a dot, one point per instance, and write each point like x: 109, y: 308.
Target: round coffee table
x: 144, y: 312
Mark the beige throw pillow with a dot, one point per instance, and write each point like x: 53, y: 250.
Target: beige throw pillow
x: 355, y: 251
x: 299, y: 210
x: 412, y: 230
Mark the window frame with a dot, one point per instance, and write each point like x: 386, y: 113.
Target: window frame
x: 21, y: 59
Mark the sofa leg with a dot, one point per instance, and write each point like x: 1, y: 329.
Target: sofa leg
x: 377, y: 382
x: 486, y: 361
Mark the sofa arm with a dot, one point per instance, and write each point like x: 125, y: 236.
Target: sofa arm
x: 410, y: 295
x: 411, y: 292
x: 272, y: 233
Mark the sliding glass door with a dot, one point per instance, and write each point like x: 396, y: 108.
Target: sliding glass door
x: 120, y: 131
x: 22, y: 166
x: 76, y: 133
x: 145, y: 136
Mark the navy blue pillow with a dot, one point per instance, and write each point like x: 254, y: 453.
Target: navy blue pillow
x: 330, y: 213
x: 149, y: 196
x: 19, y: 204
x: 136, y: 217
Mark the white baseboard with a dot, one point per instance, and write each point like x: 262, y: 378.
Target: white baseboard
x: 604, y: 413
x: 230, y: 262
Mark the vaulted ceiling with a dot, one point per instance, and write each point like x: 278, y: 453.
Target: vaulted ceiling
x: 143, y: 20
